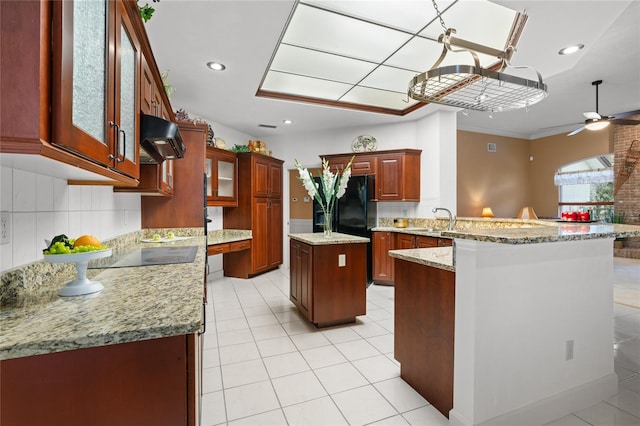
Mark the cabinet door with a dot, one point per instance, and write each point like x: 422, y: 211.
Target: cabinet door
x: 260, y: 234
x: 445, y: 242
x: 127, y: 86
x: 275, y: 180
x: 388, y: 179
x: 294, y: 274
x: 382, y: 262
x: 260, y: 181
x: 222, y: 178
x: 275, y: 231
x: 166, y: 181
x: 405, y: 241
x: 306, y: 280
x: 96, y: 83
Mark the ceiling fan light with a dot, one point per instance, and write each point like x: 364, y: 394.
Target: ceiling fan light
x: 596, y: 124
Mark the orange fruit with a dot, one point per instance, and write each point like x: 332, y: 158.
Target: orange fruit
x: 87, y: 240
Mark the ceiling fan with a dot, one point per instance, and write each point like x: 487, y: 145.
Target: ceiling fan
x: 595, y: 121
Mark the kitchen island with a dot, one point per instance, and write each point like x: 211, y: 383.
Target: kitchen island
x: 328, y: 278
x: 522, y: 326
x: 129, y: 354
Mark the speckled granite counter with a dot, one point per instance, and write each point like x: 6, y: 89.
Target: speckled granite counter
x: 513, y: 231
x: 318, y: 238
x: 437, y: 257
x: 222, y: 236
x: 137, y: 303
x: 552, y: 232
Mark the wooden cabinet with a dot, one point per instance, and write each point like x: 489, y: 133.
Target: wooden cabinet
x: 186, y: 208
x: 397, y: 172
x: 382, y: 262
x: 72, y: 88
x: 300, y: 292
x: 326, y: 291
x: 150, y: 382
x: 424, y: 324
x: 259, y: 209
x: 96, y: 81
x: 222, y: 177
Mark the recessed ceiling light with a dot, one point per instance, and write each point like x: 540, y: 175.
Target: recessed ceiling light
x: 287, y: 121
x: 570, y: 49
x: 216, y: 66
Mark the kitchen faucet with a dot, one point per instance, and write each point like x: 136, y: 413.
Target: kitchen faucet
x: 451, y: 221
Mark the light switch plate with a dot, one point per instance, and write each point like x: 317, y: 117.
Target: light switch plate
x: 342, y: 260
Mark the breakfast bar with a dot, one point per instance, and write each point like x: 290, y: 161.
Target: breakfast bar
x: 514, y: 326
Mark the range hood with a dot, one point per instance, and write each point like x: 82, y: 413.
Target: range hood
x: 159, y: 139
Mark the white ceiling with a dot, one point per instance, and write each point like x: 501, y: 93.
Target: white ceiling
x: 243, y: 35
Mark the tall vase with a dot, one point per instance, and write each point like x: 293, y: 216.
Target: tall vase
x: 328, y: 216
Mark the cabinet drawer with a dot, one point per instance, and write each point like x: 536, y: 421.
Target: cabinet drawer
x: 426, y: 242
x: 218, y: 249
x: 445, y: 242
x: 240, y: 245
x: 363, y: 166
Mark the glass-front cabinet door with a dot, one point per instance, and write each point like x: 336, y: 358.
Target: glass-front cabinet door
x: 222, y: 177
x: 96, y: 82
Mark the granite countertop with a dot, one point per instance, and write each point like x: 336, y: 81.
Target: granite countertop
x: 549, y: 233
x: 437, y: 257
x: 222, y: 236
x: 318, y: 238
x: 137, y: 303
x: 427, y: 232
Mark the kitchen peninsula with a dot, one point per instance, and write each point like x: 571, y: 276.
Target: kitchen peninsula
x: 129, y: 354
x: 521, y: 321
x: 328, y: 278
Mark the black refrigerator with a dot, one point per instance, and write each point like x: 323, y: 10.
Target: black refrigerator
x: 354, y: 214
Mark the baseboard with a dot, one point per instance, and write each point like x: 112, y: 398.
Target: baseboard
x: 552, y: 408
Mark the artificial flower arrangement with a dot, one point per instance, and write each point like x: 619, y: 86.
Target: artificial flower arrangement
x: 333, y: 187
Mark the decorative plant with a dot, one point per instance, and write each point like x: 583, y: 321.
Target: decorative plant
x: 333, y: 187
x: 146, y: 11
x: 167, y: 86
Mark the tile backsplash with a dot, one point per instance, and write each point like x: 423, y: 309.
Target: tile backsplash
x: 39, y: 207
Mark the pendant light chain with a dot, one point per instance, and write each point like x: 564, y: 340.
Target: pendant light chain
x: 435, y: 6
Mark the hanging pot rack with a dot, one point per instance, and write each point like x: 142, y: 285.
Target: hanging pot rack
x: 472, y: 86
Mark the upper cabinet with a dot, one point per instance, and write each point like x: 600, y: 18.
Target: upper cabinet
x: 221, y: 168
x: 96, y: 82
x: 73, y: 77
x: 397, y: 172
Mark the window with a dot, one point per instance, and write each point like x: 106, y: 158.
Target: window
x: 587, y: 185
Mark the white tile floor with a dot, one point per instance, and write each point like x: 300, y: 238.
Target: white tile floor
x: 265, y: 365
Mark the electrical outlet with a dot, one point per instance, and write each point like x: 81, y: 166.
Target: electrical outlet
x: 342, y: 260
x: 568, y: 350
x: 5, y: 228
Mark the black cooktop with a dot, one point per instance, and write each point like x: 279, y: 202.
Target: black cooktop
x: 146, y: 257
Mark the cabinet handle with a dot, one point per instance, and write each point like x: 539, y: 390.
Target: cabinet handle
x: 124, y: 146
x: 112, y: 124
x: 204, y: 318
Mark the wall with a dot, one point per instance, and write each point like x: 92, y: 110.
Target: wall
x: 41, y: 207
x: 554, y: 151
x: 506, y: 180
x: 499, y: 180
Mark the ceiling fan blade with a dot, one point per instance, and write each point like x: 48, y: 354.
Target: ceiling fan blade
x: 578, y: 130
x: 592, y: 115
x: 627, y: 114
x: 625, y: 121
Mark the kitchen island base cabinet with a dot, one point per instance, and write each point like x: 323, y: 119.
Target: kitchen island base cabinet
x: 325, y: 292
x: 150, y: 382
x: 424, y: 330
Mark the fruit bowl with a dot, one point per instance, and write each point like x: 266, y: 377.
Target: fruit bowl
x: 81, y: 285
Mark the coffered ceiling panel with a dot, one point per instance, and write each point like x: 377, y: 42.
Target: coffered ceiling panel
x: 389, y: 78
x: 297, y: 60
x: 341, y: 35
x: 378, y: 98
x: 304, y: 86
